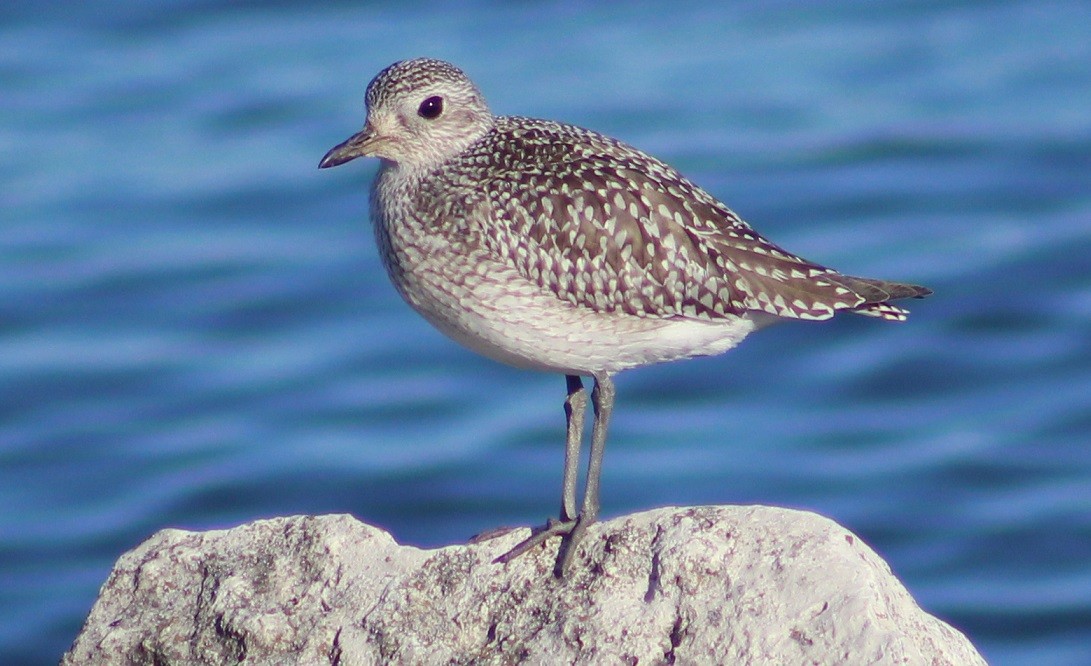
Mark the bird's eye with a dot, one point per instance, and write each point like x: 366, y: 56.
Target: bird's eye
x: 431, y: 108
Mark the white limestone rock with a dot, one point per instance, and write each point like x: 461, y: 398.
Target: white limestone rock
x: 735, y: 585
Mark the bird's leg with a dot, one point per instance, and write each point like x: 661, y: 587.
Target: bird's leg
x: 575, y: 527
x: 602, y: 398
x: 575, y: 407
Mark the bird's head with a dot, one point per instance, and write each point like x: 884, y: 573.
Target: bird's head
x: 420, y: 113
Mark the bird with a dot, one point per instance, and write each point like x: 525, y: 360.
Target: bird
x: 551, y: 247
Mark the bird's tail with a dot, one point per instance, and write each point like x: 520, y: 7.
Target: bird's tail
x: 877, y: 295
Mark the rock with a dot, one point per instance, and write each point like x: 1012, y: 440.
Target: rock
x: 736, y: 585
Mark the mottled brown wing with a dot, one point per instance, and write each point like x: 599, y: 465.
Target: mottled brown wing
x: 610, y: 228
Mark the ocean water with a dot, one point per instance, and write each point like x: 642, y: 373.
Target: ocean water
x: 195, y: 330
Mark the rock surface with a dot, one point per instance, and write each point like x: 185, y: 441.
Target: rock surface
x: 734, y: 585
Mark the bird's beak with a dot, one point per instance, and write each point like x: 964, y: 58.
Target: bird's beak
x: 360, y: 144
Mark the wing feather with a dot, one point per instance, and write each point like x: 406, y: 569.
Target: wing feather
x: 607, y: 227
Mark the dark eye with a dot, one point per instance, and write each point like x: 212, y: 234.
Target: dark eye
x: 431, y: 108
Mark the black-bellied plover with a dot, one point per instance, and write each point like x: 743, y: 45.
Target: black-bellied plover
x: 552, y: 247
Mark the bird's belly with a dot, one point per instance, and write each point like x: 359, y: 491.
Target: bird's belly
x: 495, y: 311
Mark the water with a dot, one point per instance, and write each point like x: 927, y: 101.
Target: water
x: 195, y: 331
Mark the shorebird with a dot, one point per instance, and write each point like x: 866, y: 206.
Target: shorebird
x: 552, y: 247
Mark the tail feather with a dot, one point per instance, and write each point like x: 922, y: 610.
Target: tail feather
x: 878, y: 293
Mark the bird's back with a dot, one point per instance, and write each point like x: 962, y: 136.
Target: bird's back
x: 607, y: 227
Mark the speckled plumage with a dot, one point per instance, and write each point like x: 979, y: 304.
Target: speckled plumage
x: 549, y: 246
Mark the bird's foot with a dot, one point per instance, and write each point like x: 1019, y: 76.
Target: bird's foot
x: 490, y: 534
x: 552, y: 528
x: 572, y: 530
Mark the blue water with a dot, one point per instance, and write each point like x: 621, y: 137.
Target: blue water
x: 195, y: 331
